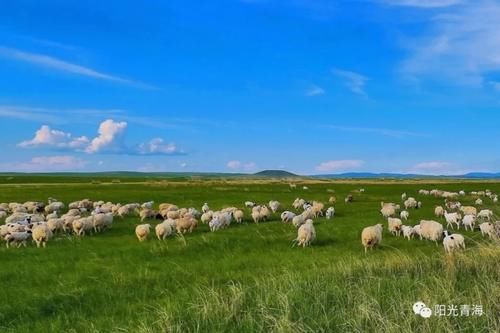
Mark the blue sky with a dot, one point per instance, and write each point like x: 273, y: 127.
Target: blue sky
x: 309, y: 86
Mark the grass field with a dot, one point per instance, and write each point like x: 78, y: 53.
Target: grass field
x: 248, y: 278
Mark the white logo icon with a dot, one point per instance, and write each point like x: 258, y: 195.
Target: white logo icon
x: 419, y: 308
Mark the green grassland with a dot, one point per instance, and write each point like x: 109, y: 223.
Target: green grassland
x: 247, y: 278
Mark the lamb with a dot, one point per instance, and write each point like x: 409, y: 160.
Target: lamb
x: 452, y: 218
x: 439, y: 211
x: 469, y: 221
x: 479, y: 202
x: 332, y: 200
x: 287, y: 216
x: 142, y: 232
x: 238, y: 215
x: 330, y: 212
x: 485, y: 214
x: 274, y: 205
x: 17, y: 238
x: 371, y: 236
x: 205, y: 208
x: 452, y: 242
x: 250, y: 204
x: 394, y: 225
x: 164, y: 229
x: 306, y: 234
x: 417, y: 231
x: 487, y: 229
x: 187, y: 223
x: 41, y: 235
x: 404, y: 215
x: 407, y: 231
x: 431, y: 230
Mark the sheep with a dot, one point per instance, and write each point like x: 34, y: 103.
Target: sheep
x: 403, y: 196
x: 298, y: 220
x: 187, y: 223
x: 164, y: 229
x: 479, y: 202
x: 404, y: 215
x: 495, y: 199
x: 371, y: 236
x: 410, y: 203
x: 250, y: 204
x: 394, y: 225
x: 306, y: 234
x: 469, y: 221
x: 55, y: 225
x: 146, y: 214
x: 317, y: 208
x: 419, y: 205
x: 431, y: 230
x: 102, y: 221
x: 407, y: 231
x: 287, y: 216
x: 439, y: 211
x: 148, y: 205
x: 452, y: 205
x: 3, y: 215
x: 462, y: 192
x: 423, y: 192
x: 274, y: 205
x: 469, y: 210
x: 452, y: 218
x: 82, y: 225
x: 205, y: 208
x: 485, y: 214
x: 332, y: 200
x: 297, y: 203
x: 305, y: 188
x: 215, y: 224
x: 349, y: 198
x: 417, y: 231
x: 41, y: 234
x: 142, y: 232
x: 206, y: 217
x: 238, y: 215
x: 68, y: 222
x: 330, y: 212
x: 54, y: 206
x: 487, y: 229
x: 17, y: 238
x: 16, y: 217
x: 452, y: 242
x: 225, y: 218
x: 388, y: 211
x: 293, y: 186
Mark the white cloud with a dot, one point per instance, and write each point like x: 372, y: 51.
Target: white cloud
x: 47, y: 164
x: 183, y: 165
x: 233, y: 165
x: 339, y: 165
x: 314, y: 91
x: 63, y: 66
x: 110, y: 137
x: 48, y: 137
x: 424, y: 3
x: 461, y: 45
x: 354, y: 81
x: 157, y: 146
x: 431, y: 167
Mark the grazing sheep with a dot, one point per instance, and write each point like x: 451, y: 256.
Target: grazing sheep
x: 388, y: 211
x: 479, y: 202
x: 330, y: 212
x: 206, y: 217
x: 469, y: 221
x: 250, y: 204
x: 417, y: 231
x: 349, y: 198
x: 332, y: 200
x: 394, y: 226
x: 41, y: 234
x: 403, y: 196
x: 298, y: 203
x: 164, y: 229
x: 305, y: 188
x: 205, y: 208
x: 142, y: 232
x: 55, y: 225
x: 102, y: 221
x: 371, y: 236
x: 431, y: 230
x: 238, y: 215
x: 148, y: 205
x: 17, y: 238
x: 462, y: 193
x: 298, y: 220
x: 485, y: 214
x: 452, y: 242
x: 451, y: 219
x: 287, y: 216
x: 215, y: 224
x: 410, y: 203
x: 54, y: 206
x: 407, y: 231
x: 404, y: 215
x: 3, y: 215
x: 147, y: 214
x: 306, y: 234
x: 487, y: 229
x: 469, y: 210
x: 83, y: 225
x: 439, y: 211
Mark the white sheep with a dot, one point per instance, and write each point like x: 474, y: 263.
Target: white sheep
x: 451, y: 219
x: 417, y: 231
x: 206, y: 217
x: 274, y: 205
x: 371, y: 236
x: 469, y: 210
x: 403, y: 196
x: 439, y: 211
x: 41, y: 234
x: 479, y: 202
x: 164, y: 229
x: 330, y: 212
x: 287, y: 216
x: 205, y: 208
x: 404, y: 215
x: 102, y: 221
x: 148, y: 205
x: 487, y: 229
x: 485, y: 214
x: 215, y: 224
x: 250, y: 204
x: 410, y: 203
x: 431, y: 230
x: 298, y: 220
x: 407, y: 231
x: 17, y: 238
x: 306, y: 234
x: 142, y: 232
x: 469, y: 221
x: 394, y: 225
x: 452, y: 242
x: 238, y: 215
x: 388, y: 211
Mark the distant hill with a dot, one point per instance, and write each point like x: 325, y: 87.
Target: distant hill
x: 275, y: 174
